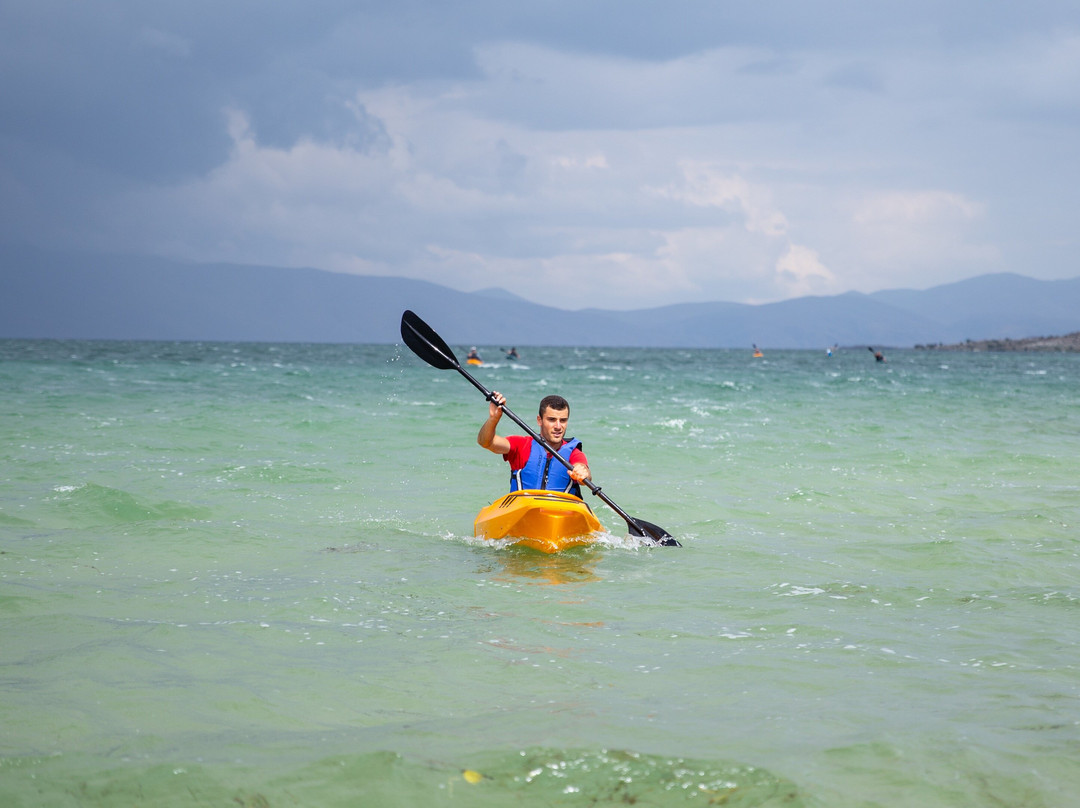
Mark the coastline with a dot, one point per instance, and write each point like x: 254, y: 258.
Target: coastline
x: 1067, y: 343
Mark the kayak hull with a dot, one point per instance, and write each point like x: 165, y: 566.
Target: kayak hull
x: 548, y: 521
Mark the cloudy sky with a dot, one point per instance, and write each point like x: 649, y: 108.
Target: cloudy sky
x: 618, y: 154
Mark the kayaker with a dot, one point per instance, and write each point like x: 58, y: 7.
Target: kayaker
x: 531, y: 466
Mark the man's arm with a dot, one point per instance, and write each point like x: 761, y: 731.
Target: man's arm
x: 580, y: 471
x: 486, y: 437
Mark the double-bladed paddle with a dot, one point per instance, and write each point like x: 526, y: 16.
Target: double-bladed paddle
x: 429, y: 346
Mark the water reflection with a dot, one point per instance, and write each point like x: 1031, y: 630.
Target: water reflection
x: 573, y: 566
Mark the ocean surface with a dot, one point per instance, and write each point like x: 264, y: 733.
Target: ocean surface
x: 244, y: 574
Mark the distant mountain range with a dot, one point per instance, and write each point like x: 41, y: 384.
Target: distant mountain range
x: 88, y: 296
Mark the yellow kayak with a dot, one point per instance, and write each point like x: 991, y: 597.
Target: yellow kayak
x: 548, y: 521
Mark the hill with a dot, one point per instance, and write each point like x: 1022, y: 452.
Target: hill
x: 57, y: 295
x: 1001, y: 306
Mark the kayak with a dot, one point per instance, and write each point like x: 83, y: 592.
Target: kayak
x: 474, y: 361
x: 548, y: 521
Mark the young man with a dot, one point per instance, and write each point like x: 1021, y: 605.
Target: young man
x: 530, y: 464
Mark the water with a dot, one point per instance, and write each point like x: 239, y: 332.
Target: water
x: 244, y: 575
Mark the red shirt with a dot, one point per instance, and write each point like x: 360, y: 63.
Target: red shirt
x: 521, y: 447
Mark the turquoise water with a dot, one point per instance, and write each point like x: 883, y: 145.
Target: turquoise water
x: 244, y: 575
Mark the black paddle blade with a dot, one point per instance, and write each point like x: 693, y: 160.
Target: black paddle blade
x: 639, y: 527
x: 425, y: 343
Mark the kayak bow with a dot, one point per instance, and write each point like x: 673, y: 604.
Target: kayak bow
x: 548, y: 521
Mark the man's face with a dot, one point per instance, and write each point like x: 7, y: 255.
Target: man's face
x: 553, y: 425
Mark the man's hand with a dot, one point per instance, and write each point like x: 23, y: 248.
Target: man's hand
x: 579, y: 473
x: 495, y: 405
x: 486, y: 437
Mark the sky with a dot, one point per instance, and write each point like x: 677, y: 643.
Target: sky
x: 616, y: 154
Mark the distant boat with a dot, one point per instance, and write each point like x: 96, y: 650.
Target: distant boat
x: 757, y: 352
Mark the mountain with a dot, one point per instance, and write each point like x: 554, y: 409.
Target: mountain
x: 90, y: 296
x: 994, y: 306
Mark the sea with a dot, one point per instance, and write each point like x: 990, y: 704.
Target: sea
x: 245, y: 575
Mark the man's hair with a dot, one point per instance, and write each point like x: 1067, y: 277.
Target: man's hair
x: 555, y: 402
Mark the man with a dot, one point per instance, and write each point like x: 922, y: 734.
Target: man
x: 531, y: 466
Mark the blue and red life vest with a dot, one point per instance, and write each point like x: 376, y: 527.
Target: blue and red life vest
x: 542, y: 471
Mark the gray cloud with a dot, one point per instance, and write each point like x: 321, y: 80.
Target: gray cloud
x: 640, y: 156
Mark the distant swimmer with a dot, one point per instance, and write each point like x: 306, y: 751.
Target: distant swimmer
x: 512, y: 353
x: 474, y: 358
x: 757, y: 352
x: 878, y: 355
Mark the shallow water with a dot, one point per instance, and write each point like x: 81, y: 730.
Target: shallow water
x: 244, y: 574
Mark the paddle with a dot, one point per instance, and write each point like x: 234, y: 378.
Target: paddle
x: 429, y: 346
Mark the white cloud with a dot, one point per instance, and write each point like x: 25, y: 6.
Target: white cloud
x: 592, y: 161
x: 802, y: 273
x: 915, y: 234
x: 708, y: 186
x: 915, y: 208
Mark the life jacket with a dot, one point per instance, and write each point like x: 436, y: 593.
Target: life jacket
x: 544, y: 472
